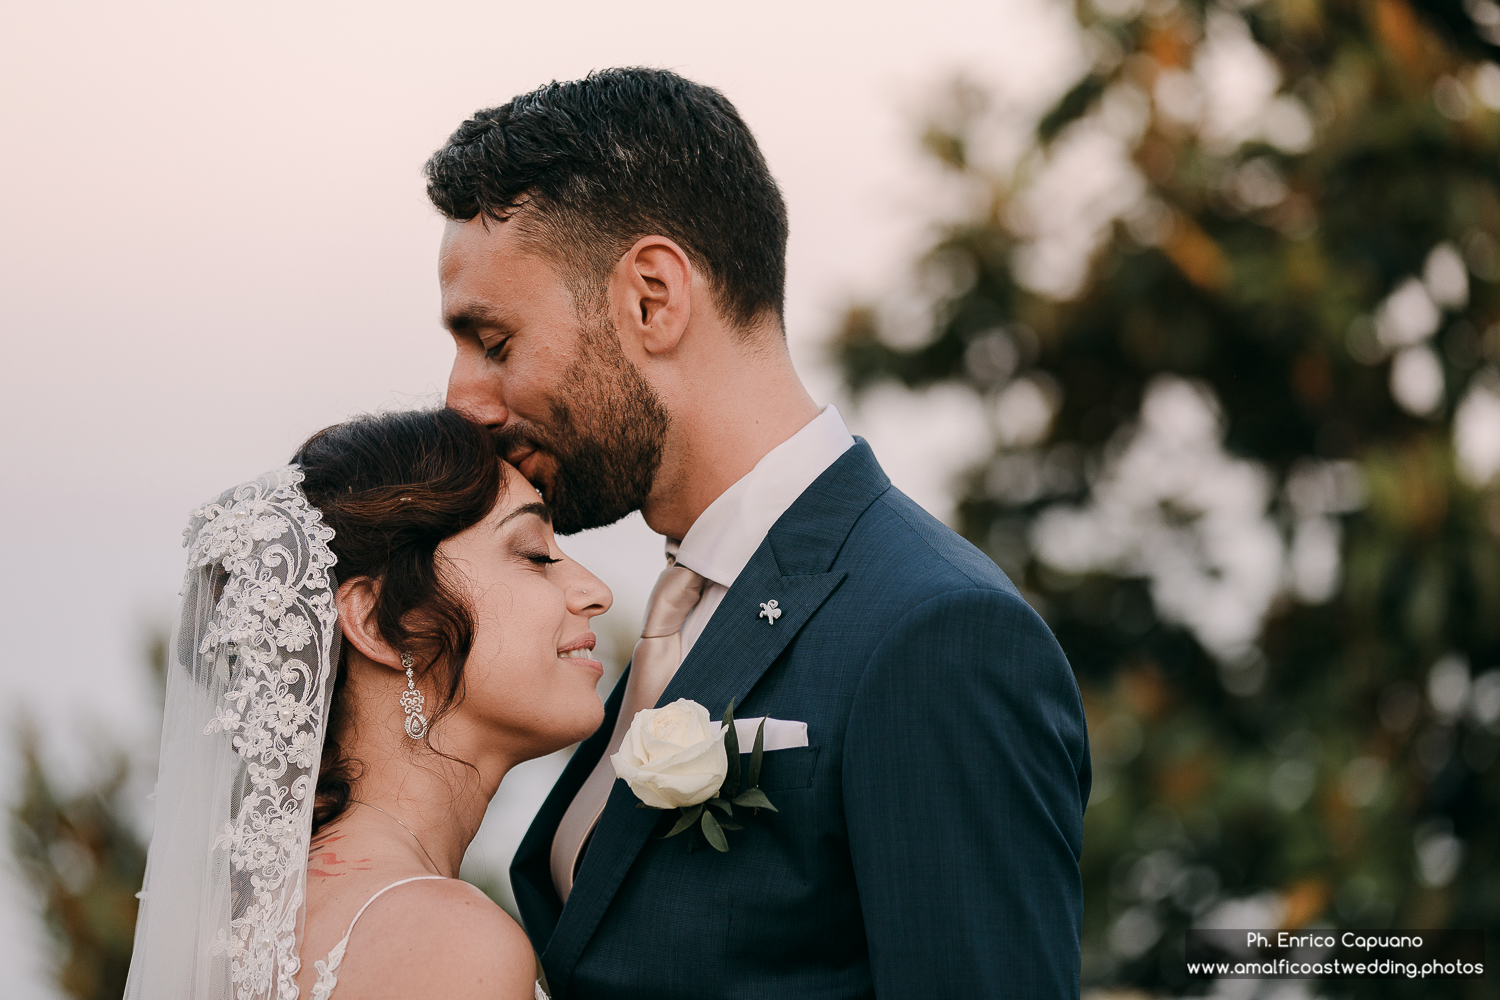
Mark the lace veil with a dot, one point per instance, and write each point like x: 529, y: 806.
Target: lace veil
x: 249, y: 678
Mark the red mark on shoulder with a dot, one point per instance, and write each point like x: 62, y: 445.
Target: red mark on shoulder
x: 318, y: 856
x: 330, y: 858
x: 325, y: 839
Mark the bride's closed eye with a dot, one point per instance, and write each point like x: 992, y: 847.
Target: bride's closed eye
x: 529, y: 539
x: 532, y: 546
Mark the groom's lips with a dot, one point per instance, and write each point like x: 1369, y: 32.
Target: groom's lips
x: 518, y: 455
x: 525, y: 460
x: 539, y: 469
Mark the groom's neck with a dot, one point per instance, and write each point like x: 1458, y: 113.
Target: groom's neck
x: 727, y: 412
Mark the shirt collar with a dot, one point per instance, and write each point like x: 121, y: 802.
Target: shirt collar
x: 727, y: 533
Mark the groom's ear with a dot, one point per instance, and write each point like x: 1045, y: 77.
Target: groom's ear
x: 653, y: 293
x: 356, y: 604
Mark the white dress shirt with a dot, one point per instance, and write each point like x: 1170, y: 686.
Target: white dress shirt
x: 728, y: 532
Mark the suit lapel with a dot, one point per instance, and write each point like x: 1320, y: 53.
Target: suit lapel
x: 738, y: 646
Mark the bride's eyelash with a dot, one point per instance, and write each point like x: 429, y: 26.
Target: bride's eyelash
x: 542, y: 558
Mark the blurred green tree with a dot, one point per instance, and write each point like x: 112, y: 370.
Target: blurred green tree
x: 1234, y: 311
x: 84, y: 862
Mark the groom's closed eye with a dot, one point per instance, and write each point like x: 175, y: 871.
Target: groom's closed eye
x: 476, y: 320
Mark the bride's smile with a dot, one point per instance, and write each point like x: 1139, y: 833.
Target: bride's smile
x: 581, y: 649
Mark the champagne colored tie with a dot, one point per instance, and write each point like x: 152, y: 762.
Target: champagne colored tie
x: 657, y: 656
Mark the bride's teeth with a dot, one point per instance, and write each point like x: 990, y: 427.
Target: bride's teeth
x: 579, y: 654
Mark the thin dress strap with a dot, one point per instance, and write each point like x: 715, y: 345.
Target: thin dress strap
x: 328, y: 969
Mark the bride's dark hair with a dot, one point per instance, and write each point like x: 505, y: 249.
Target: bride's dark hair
x: 392, y: 486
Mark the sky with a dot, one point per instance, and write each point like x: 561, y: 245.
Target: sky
x: 214, y: 240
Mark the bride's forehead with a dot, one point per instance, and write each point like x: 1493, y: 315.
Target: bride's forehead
x: 517, y: 490
x: 515, y: 493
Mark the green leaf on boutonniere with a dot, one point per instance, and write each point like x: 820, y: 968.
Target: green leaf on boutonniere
x: 713, y: 833
x: 685, y: 821
x: 725, y: 824
x: 722, y: 805
x: 731, y: 785
x: 758, y: 754
x: 753, y: 798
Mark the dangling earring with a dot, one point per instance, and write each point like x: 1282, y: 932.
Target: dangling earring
x: 412, y: 702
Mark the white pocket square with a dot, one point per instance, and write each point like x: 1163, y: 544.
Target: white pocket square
x: 781, y: 734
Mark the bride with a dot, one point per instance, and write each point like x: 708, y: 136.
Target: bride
x: 369, y: 639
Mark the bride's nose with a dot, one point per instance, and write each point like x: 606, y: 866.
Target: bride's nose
x: 587, y: 594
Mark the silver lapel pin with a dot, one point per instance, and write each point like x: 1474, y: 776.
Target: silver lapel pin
x: 770, y: 612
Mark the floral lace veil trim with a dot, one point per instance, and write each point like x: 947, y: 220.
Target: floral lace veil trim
x: 250, y: 675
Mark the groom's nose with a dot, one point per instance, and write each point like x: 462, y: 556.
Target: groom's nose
x: 478, y: 398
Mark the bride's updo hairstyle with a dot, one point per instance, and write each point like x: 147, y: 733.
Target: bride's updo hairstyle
x: 392, y: 486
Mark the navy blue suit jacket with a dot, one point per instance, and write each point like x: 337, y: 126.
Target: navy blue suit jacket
x: 928, y: 837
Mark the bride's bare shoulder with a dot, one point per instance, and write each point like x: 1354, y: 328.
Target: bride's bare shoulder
x: 437, y: 939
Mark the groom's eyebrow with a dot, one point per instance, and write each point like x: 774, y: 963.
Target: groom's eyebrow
x: 464, y: 318
x: 541, y: 510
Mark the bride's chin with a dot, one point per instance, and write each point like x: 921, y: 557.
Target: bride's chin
x: 587, y: 721
x: 595, y: 714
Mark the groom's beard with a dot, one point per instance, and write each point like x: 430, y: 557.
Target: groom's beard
x: 605, y: 441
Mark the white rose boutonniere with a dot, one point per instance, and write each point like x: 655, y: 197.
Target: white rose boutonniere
x: 673, y: 756
x: 677, y: 757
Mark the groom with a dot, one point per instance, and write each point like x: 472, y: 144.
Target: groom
x: 612, y: 273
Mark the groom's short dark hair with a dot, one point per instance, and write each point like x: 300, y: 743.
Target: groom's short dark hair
x: 590, y: 166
